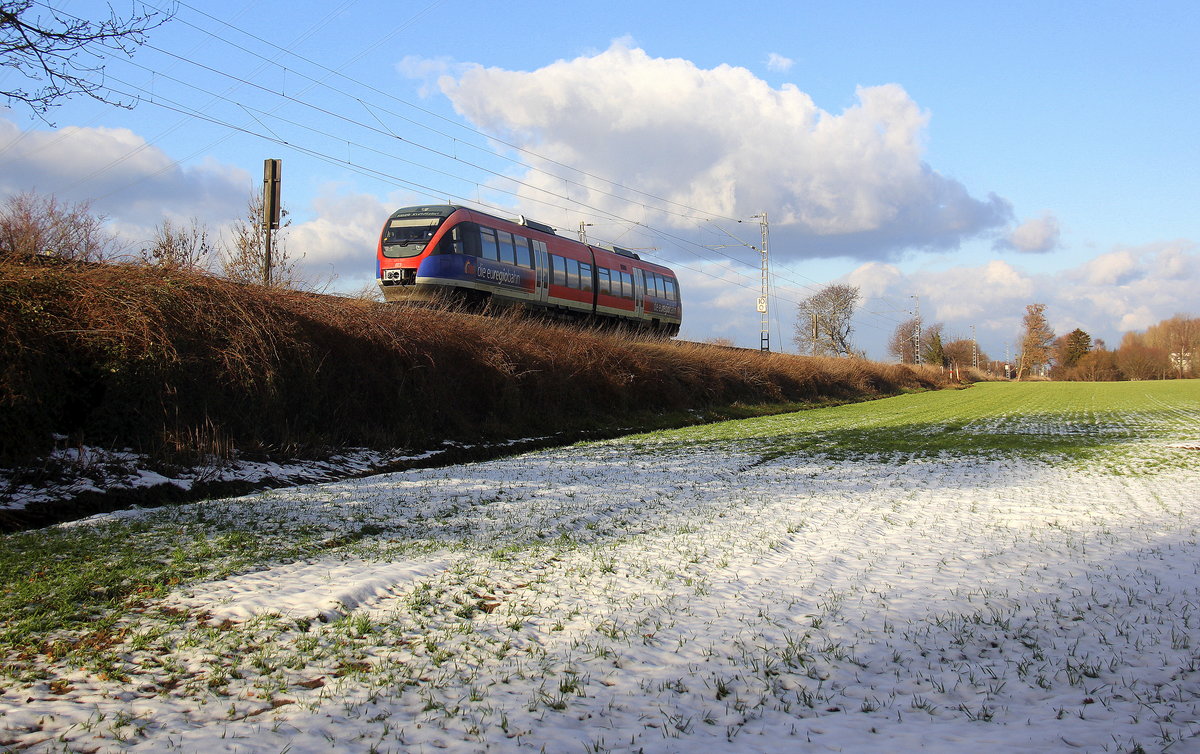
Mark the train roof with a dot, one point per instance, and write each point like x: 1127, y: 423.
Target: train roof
x: 445, y: 210
x: 427, y: 210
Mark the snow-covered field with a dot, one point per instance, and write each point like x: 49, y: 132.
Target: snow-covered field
x: 743, y: 587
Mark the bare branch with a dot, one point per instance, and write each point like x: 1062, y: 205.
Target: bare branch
x: 65, y: 54
x: 823, y: 321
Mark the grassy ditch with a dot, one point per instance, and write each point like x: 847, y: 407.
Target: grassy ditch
x: 185, y: 365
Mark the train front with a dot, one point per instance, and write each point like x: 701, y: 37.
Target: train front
x: 413, y: 237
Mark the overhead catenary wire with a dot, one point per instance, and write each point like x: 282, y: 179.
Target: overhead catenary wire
x: 373, y: 109
x: 683, y: 243
x: 363, y: 169
x: 457, y: 124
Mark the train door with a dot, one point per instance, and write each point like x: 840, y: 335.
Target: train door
x: 541, y: 263
x: 639, y: 291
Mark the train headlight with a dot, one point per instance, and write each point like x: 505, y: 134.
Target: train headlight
x: 391, y: 274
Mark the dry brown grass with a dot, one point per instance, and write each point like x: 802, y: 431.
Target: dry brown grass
x: 176, y: 362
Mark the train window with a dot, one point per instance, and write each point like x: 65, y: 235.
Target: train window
x: 603, y: 281
x: 572, y: 273
x: 407, y: 236
x: 452, y: 242
x: 585, y: 276
x: 626, y: 285
x: 651, y: 284
x: 522, y: 247
x: 490, y: 249
x: 506, y: 247
x: 558, y: 267
x: 672, y: 290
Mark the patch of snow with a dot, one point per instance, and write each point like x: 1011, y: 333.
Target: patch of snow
x: 660, y: 596
x: 322, y: 589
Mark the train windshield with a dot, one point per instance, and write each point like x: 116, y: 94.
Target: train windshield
x: 407, y: 236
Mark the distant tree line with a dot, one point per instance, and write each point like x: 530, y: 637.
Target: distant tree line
x: 1167, y: 350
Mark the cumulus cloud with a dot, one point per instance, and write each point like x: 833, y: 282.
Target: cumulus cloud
x: 1112, y: 269
x: 428, y: 70
x: 1129, y: 288
x: 341, y: 236
x: 874, y: 278
x: 717, y: 303
x: 779, y: 63
x: 120, y: 174
x: 724, y: 141
x: 1036, y: 236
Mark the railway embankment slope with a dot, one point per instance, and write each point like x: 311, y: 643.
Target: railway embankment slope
x: 182, y: 366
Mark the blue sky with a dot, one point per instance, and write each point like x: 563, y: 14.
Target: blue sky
x: 978, y: 156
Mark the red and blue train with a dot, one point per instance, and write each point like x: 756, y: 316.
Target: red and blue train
x: 447, y: 251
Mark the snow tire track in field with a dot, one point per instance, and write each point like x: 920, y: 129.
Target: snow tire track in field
x: 651, y: 597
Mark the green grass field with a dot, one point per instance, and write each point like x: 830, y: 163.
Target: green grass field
x: 1054, y: 420
x: 1007, y: 552
x: 68, y: 578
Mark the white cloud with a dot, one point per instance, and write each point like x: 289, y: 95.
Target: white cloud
x: 1129, y: 288
x: 345, y: 227
x: 717, y: 303
x: 874, y: 278
x: 777, y: 62
x: 989, y: 295
x: 120, y: 174
x: 428, y: 70
x: 137, y: 186
x: 1109, y: 269
x: 1036, y: 236
x: 726, y: 142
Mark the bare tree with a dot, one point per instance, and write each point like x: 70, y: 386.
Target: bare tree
x: 1097, y: 365
x: 1036, y: 342
x: 963, y: 352
x: 1179, y: 336
x: 37, y: 224
x: 244, y: 258
x: 823, y: 321
x: 1139, y: 361
x: 903, y: 344
x: 65, y: 54
x: 179, y: 246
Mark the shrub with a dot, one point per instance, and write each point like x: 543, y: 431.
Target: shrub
x: 174, y: 361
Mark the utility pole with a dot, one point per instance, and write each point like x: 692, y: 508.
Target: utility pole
x: 271, y: 208
x: 764, y: 335
x: 974, y: 349
x: 917, y: 330
x: 764, y: 332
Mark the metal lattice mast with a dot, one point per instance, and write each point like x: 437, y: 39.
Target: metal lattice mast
x: 974, y: 349
x: 764, y: 337
x: 917, y: 331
